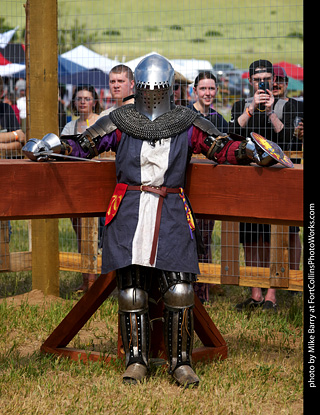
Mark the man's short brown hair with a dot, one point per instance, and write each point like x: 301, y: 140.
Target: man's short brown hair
x: 123, y: 68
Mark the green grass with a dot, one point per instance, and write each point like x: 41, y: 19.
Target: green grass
x: 262, y: 374
x: 237, y: 31
x: 263, y: 371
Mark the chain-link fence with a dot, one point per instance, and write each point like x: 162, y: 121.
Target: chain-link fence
x: 215, y: 37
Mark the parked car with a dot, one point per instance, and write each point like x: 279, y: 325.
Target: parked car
x: 221, y: 68
x: 238, y: 86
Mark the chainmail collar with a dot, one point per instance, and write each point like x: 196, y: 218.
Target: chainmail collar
x: 137, y: 125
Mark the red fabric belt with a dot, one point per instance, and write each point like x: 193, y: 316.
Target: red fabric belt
x: 162, y: 192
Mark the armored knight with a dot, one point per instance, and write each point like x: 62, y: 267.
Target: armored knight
x: 149, y: 236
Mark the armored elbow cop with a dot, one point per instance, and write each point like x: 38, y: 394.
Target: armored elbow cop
x: 90, y: 139
x: 215, y: 145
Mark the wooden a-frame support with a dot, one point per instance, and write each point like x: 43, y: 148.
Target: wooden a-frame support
x: 214, y: 345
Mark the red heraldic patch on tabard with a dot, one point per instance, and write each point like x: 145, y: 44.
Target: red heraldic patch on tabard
x: 115, y: 201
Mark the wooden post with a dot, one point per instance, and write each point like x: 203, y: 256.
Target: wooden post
x: 4, y: 246
x: 279, y: 256
x: 42, y: 76
x: 89, y: 244
x: 230, y: 262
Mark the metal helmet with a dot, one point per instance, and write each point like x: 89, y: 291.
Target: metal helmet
x: 154, y: 78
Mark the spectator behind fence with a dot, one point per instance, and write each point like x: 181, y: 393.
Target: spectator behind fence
x: 62, y: 114
x: 280, y: 87
x: 205, y: 89
x: 21, y: 84
x: 11, y: 100
x: 22, y: 107
x: 260, y: 114
x: 225, y: 91
x: 85, y: 104
x: 121, y: 85
x: 12, y: 137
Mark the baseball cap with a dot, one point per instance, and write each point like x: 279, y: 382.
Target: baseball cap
x: 279, y: 71
x: 261, y: 64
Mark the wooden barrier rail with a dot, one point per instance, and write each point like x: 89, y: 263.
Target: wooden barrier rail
x: 83, y: 189
x: 210, y: 273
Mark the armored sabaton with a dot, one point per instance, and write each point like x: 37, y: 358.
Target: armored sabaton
x: 177, y: 293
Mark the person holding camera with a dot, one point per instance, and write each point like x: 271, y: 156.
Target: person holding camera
x: 259, y: 113
x: 271, y: 117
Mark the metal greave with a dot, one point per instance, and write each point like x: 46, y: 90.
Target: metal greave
x: 135, y: 337
x: 133, y: 311
x: 178, y: 324
x: 178, y: 337
x: 178, y: 297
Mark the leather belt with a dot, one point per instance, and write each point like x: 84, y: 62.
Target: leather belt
x: 162, y: 191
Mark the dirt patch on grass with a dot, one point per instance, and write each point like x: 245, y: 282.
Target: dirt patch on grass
x: 34, y: 297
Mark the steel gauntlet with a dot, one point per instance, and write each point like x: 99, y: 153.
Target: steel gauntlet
x: 261, y: 151
x: 40, y: 150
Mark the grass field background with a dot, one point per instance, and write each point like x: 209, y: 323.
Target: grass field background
x: 236, y: 31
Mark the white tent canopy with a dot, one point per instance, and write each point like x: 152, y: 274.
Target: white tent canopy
x: 187, y: 67
x: 190, y: 68
x: 89, y: 59
x: 11, y: 69
x: 7, y: 36
x: 134, y: 62
x: 92, y: 60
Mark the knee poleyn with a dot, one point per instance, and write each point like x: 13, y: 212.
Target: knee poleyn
x: 133, y: 300
x: 179, y: 296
